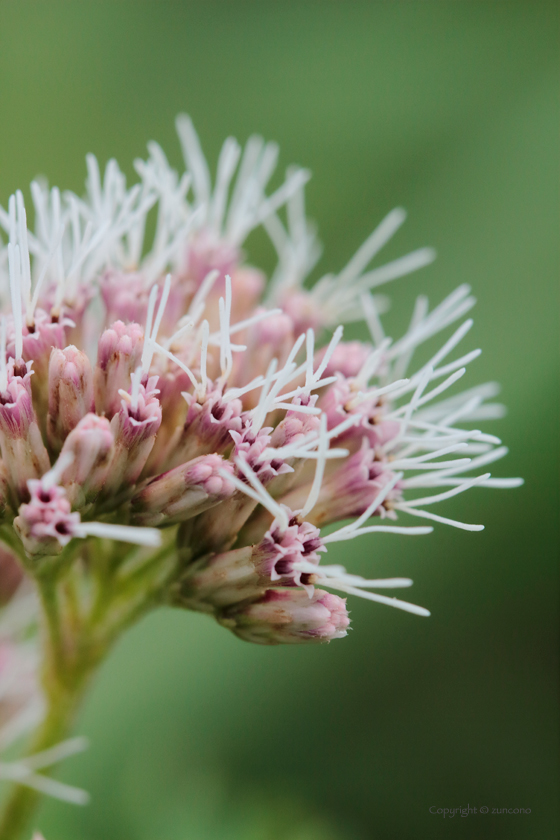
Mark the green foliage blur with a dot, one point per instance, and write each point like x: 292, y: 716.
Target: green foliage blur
x: 449, y: 108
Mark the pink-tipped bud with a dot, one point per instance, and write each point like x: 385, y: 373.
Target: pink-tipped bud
x: 342, y: 399
x: 289, y: 616
x: 245, y: 573
x: 207, y: 426
x: 349, y: 489
x: 70, y: 393
x: 91, y: 444
x: 39, y: 337
x: 303, y: 310
x: 271, y: 338
x: 46, y: 524
x: 118, y: 355
x: 23, y: 450
x: 348, y: 358
x: 223, y: 580
x: 206, y: 253
x: 183, y: 492
x: 134, y: 429
x: 213, y: 532
x: 247, y: 286
x: 125, y: 295
x: 296, y: 425
x: 251, y: 446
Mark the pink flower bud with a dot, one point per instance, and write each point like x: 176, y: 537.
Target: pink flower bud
x: 342, y: 400
x: 225, y: 579
x: 118, y: 355
x: 216, y: 533
x: 91, y: 443
x: 206, y: 253
x: 134, y: 429
x: 349, y: 488
x: 183, y: 492
x: 23, y: 450
x: 70, y: 392
x: 251, y: 447
x: 207, y: 426
x: 303, y: 310
x: 46, y: 331
x: 234, y: 576
x: 247, y: 286
x: 348, y: 358
x: 271, y: 338
x: 296, y: 425
x: 125, y: 295
x: 45, y: 525
x: 289, y: 617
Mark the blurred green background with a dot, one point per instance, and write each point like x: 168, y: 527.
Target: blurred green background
x: 450, y: 109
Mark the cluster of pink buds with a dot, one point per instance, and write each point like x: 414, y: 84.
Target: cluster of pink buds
x: 162, y: 393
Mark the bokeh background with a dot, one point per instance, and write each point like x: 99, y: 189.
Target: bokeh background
x: 450, y: 109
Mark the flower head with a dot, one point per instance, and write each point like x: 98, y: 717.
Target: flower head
x: 158, y: 393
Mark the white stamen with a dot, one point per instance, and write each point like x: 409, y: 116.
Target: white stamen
x: 226, y: 358
x: 424, y: 514
x: 257, y: 492
x: 372, y: 319
x: 310, y: 346
x: 331, y: 347
x: 24, y: 249
x: 375, y: 241
x: 254, y: 319
x: 440, y: 497
x: 373, y: 529
x: 199, y: 300
x: 135, y: 378
x: 157, y: 348
x: 15, y: 293
x: 53, y: 476
x: 3, y: 364
x: 148, y: 351
x: 369, y: 511
x: 123, y: 533
x: 63, y: 750
x: 19, y: 773
x: 383, y: 599
x: 204, y: 357
x: 323, y: 445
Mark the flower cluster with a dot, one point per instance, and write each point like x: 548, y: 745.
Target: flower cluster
x: 160, y: 391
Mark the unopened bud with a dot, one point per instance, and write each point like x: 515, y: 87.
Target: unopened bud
x: 347, y: 358
x: 45, y: 525
x: 70, y: 393
x: 245, y: 573
x: 183, y: 492
x: 91, y: 444
x: 23, y: 450
x: 118, y: 355
x: 207, y: 426
x: 134, y: 429
x: 289, y: 616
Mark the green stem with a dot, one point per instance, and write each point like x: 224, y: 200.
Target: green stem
x: 75, y: 642
x: 23, y: 801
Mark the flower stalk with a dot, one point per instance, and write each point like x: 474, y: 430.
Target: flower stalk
x: 174, y: 432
